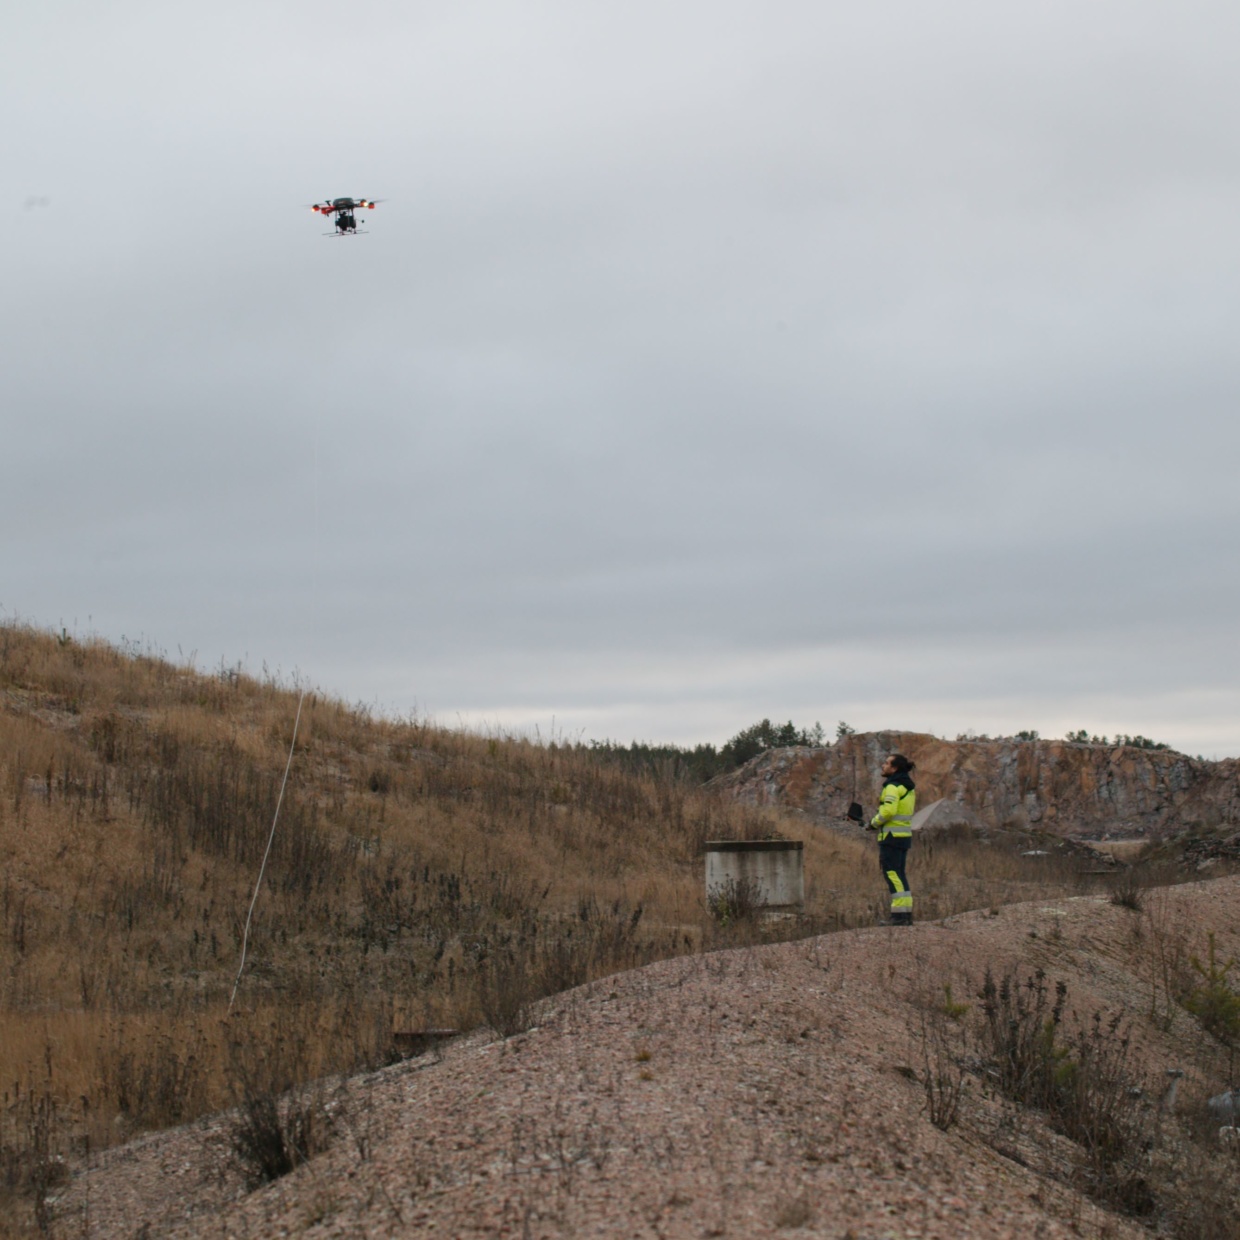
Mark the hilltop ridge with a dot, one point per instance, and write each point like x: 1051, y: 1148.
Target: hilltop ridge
x: 1068, y: 788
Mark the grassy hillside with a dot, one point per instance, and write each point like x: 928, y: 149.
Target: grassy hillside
x: 419, y: 877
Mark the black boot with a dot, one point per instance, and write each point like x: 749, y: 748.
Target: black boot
x: 901, y: 919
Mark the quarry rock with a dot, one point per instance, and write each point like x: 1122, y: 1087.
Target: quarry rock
x: 1066, y: 788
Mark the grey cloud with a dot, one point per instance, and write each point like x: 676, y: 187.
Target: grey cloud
x: 699, y: 360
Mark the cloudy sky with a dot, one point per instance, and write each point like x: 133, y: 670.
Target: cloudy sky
x: 705, y: 361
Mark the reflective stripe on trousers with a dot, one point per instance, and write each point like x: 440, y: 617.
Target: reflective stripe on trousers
x: 892, y: 855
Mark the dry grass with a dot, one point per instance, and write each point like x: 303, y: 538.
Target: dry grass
x: 421, y: 878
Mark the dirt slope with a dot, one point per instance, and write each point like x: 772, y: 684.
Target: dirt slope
x: 761, y: 1091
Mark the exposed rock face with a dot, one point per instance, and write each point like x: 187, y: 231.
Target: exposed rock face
x: 1062, y: 787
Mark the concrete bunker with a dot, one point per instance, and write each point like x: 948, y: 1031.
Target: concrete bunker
x: 766, y: 873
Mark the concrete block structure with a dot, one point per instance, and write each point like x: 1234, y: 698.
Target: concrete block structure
x: 771, y: 871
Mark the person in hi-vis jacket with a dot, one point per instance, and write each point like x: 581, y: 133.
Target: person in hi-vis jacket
x: 893, y: 822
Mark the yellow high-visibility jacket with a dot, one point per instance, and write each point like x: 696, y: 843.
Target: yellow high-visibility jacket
x: 895, y: 809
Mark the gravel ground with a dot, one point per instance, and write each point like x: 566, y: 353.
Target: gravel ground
x: 756, y: 1092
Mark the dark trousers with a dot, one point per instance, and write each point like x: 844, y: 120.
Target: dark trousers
x: 892, y: 857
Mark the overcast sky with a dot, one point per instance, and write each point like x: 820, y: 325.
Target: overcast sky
x: 705, y: 361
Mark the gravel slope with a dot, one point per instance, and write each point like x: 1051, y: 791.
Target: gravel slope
x: 747, y: 1093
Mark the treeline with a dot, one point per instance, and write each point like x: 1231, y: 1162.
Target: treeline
x: 703, y: 762
x: 1121, y: 738
x: 1083, y: 737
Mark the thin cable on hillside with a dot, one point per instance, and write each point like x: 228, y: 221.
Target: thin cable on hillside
x: 245, y: 937
x: 314, y: 589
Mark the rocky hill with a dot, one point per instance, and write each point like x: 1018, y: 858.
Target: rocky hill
x: 1066, y: 788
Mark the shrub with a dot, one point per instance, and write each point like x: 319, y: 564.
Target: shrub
x: 942, y: 1073
x: 277, y: 1125
x: 1019, y: 1030
x: 1081, y: 1079
x: 1128, y: 891
x: 272, y: 1136
x: 1213, y: 1002
x: 507, y: 991
x: 31, y: 1164
x: 737, y: 900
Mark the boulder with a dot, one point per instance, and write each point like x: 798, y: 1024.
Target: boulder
x: 947, y: 814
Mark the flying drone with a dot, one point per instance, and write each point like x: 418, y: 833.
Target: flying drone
x: 343, y: 209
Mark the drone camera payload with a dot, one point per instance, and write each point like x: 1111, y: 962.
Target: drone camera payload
x: 343, y: 209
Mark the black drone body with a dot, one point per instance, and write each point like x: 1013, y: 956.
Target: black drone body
x: 344, y: 210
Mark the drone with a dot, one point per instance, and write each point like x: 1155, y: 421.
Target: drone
x: 342, y: 209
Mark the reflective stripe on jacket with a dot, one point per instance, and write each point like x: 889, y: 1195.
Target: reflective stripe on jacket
x: 895, y: 811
